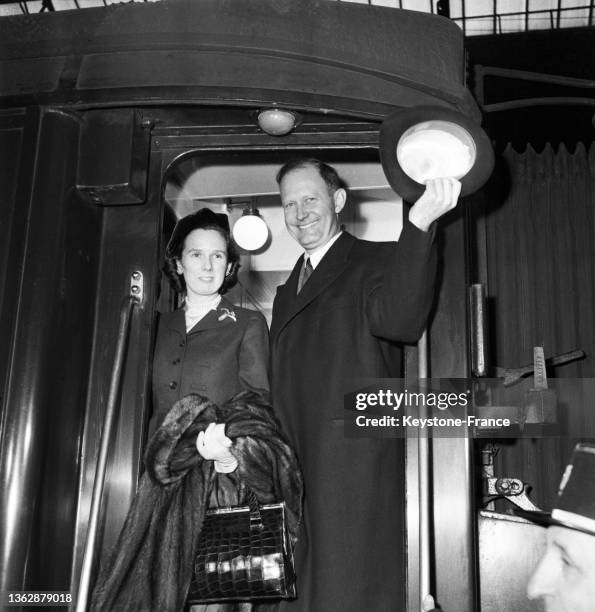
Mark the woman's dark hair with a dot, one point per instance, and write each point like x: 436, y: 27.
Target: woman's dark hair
x: 204, y: 219
x: 327, y: 173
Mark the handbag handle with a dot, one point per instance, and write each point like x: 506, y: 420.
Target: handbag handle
x: 255, y: 516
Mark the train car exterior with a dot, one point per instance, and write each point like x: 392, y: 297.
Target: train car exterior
x: 97, y: 110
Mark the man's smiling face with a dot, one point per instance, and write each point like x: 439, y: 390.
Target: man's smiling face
x: 311, y: 212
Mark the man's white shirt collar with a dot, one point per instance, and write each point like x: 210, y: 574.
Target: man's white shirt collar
x: 317, y: 256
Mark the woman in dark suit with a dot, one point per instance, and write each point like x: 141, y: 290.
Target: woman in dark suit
x: 209, y: 346
x: 207, y: 352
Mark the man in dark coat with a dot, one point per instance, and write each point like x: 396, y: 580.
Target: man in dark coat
x: 332, y: 325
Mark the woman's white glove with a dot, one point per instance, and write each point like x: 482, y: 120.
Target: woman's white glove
x: 214, y: 445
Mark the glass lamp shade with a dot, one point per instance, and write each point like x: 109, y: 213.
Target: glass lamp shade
x: 276, y: 121
x: 250, y: 231
x: 436, y: 149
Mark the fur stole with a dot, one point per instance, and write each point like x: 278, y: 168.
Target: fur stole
x: 150, y: 568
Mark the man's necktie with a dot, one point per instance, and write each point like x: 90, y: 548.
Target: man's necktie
x: 307, y: 269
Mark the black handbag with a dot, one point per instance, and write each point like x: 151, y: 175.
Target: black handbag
x: 243, y: 553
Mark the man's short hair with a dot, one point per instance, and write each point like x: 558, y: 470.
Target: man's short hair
x: 328, y: 173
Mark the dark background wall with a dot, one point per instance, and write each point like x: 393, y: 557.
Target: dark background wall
x: 565, y: 52
x: 533, y: 229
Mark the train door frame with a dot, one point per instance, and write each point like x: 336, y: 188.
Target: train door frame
x: 171, y: 139
x: 453, y: 511
x: 129, y: 242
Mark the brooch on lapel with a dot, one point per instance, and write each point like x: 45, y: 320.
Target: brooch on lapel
x: 227, y: 314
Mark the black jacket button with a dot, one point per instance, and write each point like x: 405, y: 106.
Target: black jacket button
x: 173, y: 384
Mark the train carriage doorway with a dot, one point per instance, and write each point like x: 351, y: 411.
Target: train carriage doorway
x: 124, y: 175
x: 219, y: 159
x: 131, y: 90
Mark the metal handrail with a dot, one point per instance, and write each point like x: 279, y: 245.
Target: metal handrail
x: 109, y: 418
x: 423, y: 449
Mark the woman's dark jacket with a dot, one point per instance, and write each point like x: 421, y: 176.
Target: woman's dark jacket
x: 224, y: 353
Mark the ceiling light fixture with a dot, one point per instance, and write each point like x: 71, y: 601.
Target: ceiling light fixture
x: 277, y: 121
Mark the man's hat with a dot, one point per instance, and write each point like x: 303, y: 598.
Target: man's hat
x: 430, y: 155
x: 575, y: 508
x: 202, y: 218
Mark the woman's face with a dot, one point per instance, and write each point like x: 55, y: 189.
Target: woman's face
x: 204, y: 262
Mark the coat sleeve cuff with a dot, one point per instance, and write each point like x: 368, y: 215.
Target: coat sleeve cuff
x: 415, y: 240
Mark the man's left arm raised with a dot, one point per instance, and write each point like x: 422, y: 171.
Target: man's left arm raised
x: 399, y: 303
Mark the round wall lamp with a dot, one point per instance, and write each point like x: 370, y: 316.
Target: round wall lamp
x: 426, y: 142
x: 277, y: 121
x: 250, y: 231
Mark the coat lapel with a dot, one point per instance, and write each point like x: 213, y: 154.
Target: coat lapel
x: 329, y: 268
x: 285, y: 297
x: 224, y: 315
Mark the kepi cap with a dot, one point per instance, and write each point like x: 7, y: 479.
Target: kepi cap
x: 575, y: 508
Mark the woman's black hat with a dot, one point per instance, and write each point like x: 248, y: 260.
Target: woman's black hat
x: 203, y: 218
